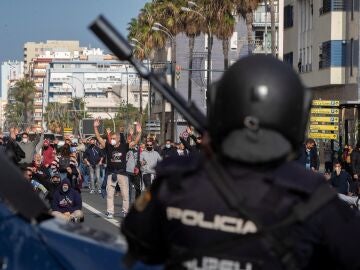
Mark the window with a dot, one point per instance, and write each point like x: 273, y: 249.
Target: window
x: 288, y: 16
x: 332, y: 5
x: 288, y: 58
x: 332, y: 54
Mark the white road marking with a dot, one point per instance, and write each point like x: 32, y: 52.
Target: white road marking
x: 100, y: 214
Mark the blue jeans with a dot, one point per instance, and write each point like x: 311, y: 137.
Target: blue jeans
x: 95, y: 175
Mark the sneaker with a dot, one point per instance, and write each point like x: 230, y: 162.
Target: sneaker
x: 123, y: 214
x: 99, y: 191
x: 92, y: 191
x: 109, y: 215
x: 75, y: 219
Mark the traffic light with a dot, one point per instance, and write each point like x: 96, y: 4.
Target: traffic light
x: 177, y: 73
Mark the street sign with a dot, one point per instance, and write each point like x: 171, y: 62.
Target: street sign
x: 325, y: 136
x: 324, y: 119
x: 68, y: 130
x: 330, y: 103
x: 324, y: 127
x: 324, y: 111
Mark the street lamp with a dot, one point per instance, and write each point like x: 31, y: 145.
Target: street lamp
x: 159, y: 27
x: 210, y: 37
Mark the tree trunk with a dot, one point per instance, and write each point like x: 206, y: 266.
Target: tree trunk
x: 191, y: 52
x: 140, y: 99
x: 162, y: 129
x: 225, y: 44
x: 249, y: 25
x: 273, y: 30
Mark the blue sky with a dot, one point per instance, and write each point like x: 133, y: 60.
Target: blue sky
x: 41, y: 20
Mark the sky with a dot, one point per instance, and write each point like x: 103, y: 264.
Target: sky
x: 41, y: 20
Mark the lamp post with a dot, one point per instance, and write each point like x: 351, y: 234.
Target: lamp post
x: 160, y: 27
x: 209, y: 40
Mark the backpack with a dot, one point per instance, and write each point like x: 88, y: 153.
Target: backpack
x: 64, y: 162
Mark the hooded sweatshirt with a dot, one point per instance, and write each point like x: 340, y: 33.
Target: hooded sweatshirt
x: 68, y: 201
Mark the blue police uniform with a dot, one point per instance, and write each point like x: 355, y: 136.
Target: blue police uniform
x: 184, y: 223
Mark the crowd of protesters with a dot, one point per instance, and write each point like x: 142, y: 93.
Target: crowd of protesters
x: 341, y: 169
x: 123, y: 164
x: 110, y: 164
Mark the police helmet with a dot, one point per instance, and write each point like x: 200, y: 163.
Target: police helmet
x: 258, y: 111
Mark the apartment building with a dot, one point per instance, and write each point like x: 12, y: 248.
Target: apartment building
x: 102, y: 84
x: 321, y: 41
x: 36, y: 49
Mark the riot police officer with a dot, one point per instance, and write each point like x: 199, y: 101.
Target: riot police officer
x: 245, y: 203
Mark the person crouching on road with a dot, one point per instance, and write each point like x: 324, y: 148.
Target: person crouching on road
x: 67, y: 203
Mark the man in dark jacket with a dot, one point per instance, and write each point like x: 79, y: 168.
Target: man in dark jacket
x: 93, y: 158
x: 355, y: 161
x: 67, y: 203
x: 308, y: 155
x: 340, y: 179
x: 168, y: 151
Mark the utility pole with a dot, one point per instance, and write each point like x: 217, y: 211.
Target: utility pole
x: 273, y: 28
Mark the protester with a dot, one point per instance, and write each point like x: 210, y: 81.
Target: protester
x: 116, y: 152
x: 133, y: 169
x: 93, y: 159
x: 355, y: 161
x: 67, y: 203
x: 38, y: 188
x: 307, y: 156
x: 340, y: 179
x: 30, y: 147
x: 169, y: 150
x: 148, y: 160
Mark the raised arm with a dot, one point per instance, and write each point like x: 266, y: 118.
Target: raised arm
x: 97, y: 134
x: 138, y: 135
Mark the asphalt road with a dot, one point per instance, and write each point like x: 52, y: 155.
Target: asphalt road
x: 94, y: 207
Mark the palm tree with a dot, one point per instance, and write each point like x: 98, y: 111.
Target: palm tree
x: 246, y: 9
x: 24, y: 92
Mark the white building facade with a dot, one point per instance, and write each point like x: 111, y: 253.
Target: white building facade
x: 102, y: 85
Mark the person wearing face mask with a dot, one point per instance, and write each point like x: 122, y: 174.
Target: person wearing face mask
x: 48, y: 153
x: 93, y: 159
x: 181, y: 151
x: 340, y: 180
x: 148, y: 160
x: 30, y: 147
x: 169, y: 150
x: 67, y: 203
x: 115, y: 151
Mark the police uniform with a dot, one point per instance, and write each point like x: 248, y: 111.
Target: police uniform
x: 248, y: 206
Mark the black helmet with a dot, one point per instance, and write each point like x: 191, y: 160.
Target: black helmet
x: 258, y: 111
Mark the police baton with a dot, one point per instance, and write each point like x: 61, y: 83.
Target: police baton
x: 123, y: 50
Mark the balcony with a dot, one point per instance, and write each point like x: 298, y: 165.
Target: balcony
x: 259, y: 46
x: 260, y: 19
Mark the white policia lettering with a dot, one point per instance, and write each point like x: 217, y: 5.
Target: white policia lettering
x: 210, y: 263
x: 220, y: 223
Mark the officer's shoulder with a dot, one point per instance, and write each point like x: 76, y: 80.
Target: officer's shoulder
x: 178, y: 165
x: 294, y: 176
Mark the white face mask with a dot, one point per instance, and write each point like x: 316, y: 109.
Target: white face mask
x: 168, y: 145
x: 113, y: 142
x: 65, y: 188
x: 25, y: 140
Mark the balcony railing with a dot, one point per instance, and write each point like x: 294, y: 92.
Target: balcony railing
x: 260, y: 18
